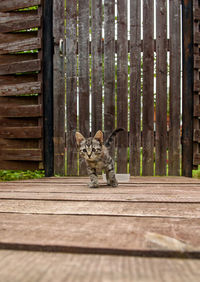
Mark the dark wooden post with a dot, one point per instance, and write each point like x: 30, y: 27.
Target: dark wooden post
x: 48, y: 87
x: 187, y: 130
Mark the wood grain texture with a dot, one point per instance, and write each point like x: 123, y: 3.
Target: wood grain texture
x: 71, y: 76
x: 73, y: 267
x: 96, y: 74
x: 21, y: 154
x: 129, y: 209
x: 20, y: 89
x: 161, y: 87
x: 20, y: 45
x: 174, y: 128
x: 20, y: 67
x: 10, y: 5
x: 148, y: 88
x: 59, y: 87
x: 127, y: 236
x: 11, y: 22
x: 109, y: 69
x: 135, y: 87
x: 122, y: 86
x: 21, y: 111
x: 21, y: 132
x: 83, y: 75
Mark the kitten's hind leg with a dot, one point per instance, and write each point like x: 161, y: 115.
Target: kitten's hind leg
x: 93, y: 177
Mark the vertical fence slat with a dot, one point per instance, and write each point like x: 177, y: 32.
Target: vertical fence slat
x: 161, y: 87
x: 59, y: 88
x: 71, y: 74
x: 135, y: 87
x: 96, y: 47
x: 122, y: 85
x: 174, y: 128
x: 83, y: 49
x: 48, y: 87
x: 148, y: 90
x: 109, y: 67
x: 187, y: 136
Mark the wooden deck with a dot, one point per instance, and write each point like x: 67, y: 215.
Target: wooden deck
x: 58, y: 229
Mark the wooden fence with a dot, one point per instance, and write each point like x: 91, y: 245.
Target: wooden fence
x: 21, y: 102
x: 110, y: 77
x: 106, y: 66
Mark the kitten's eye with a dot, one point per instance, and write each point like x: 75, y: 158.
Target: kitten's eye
x: 84, y: 150
x: 93, y: 150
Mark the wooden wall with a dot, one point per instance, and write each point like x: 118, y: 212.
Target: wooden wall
x: 21, y: 102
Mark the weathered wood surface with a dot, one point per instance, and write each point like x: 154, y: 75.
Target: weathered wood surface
x: 83, y: 75
x: 122, y: 86
x: 174, y: 127
x: 20, y: 89
x: 71, y: 85
x: 135, y: 87
x: 161, y: 87
x: 59, y: 86
x: 73, y: 267
x: 96, y: 69
x: 10, y: 5
x: 138, y: 221
x: 148, y: 90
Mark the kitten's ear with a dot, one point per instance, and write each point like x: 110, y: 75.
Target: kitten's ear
x: 79, y: 138
x: 99, y: 136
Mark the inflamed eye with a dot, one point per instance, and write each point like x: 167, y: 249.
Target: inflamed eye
x: 84, y: 150
x: 93, y: 150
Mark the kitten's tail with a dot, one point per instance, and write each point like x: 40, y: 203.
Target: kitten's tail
x: 111, y: 137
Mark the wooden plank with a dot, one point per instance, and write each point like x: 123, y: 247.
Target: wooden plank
x: 109, y: 69
x: 76, y: 267
x: 96, y: 46
x: 20, y: 89
x: 135, y: 87
x: 20, y: 45
x: 11, y: 23
x: 122, y: 85
x: 83, y: 75
x: 21, y: 165
x: 161, y: 88
x: 113, y: 235
x: 16, y: 58
x: 148, y: 89
x: 174, y: 128
x: 187, y: 128
x: 21, y: 154
x: 21, y: 111
x: 7, y: 122
x: 20, y: 67
x: 10, y: 5
x: 75, y: 195
x: 18, y: 143
x: 164, y: 210
x: 21, y: 132
x: 18, y: 79
x: 59, y: 87
x: 71, y: 74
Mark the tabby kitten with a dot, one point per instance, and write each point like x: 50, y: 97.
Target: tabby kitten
x: 96, y: 156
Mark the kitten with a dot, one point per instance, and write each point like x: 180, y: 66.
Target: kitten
x: 97, y: 156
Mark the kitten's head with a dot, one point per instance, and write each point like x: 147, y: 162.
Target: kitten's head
x: 90, y: 148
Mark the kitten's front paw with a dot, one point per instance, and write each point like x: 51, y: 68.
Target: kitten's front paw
x: 93, y: 185
x: 114, y: 184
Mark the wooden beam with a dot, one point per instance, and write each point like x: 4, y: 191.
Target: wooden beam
x: 188, y: 81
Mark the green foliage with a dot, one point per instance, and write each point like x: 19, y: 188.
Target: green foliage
x: 10, y: 175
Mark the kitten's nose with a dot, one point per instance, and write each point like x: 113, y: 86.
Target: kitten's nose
x: 89, y: 155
